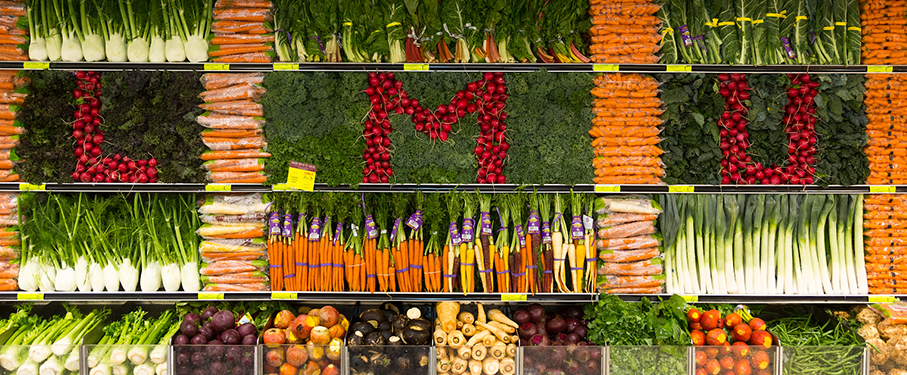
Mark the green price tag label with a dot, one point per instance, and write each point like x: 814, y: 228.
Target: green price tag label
x: 286, y: 66
x: 690, y: 299
x: 681, y: 189
x: 879, y: 69
x: 302, y: 176
x: 284, y: 295
x: 605, y: 67
x: 513, y: 297
x: 607, y: 188
x: 218, y: 187
x: 36, y: 65
x: 217, y: 66
x: 280, y: 187
x: 883, y: 299
x: 882, y: 189
x: 210, y: 296
x: 30, y: 296
x: 679, y: 68
x: 416, y: 67
x: 32, y: 187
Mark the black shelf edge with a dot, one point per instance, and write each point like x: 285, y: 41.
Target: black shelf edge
x: 454, y: 67
x: 484, y: 188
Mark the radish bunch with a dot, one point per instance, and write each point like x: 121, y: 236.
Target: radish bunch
x: 91, y: 166
x: 487, y: 96
x: 736, y: 166
x: 800, y: 127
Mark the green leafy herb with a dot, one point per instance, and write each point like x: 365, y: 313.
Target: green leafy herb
x: 691, y: 136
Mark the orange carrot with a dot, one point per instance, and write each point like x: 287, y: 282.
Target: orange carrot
x: 235, y: 49
x: 243, y: 14
x: 222, y: 39
x: 251, y: 57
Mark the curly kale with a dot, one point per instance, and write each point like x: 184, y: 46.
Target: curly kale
x: 47, y: 145
x: 692, y: 108
x: 152, y: 114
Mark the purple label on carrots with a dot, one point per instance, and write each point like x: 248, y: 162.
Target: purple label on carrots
x: 315, y: 230
x: 576, y: 227
x: 546, y: 232
x: 532, y: 226
x: 287, y: 230
x: 338, y: 232
x: 415, y: 220
x: 520, y: 235
x: 274, y: 227
x: 395, y: 228
x: 467, y: 230
x: 485, y: 222
x: 454, y: 235
x: 371, y: 230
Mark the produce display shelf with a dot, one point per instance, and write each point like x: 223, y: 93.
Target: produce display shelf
x: 455, y: 67
x: 484, y: 188
x: 333, y: 297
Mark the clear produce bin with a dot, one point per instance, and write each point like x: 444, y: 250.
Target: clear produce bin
x: 302, y: 359
x: 491, y: 360
x: 125, y: 359
x: 214, y: 360
x: 819, y: 360
x: 647, y: 360
x: 570, y: 360
x: 390, y: 360
x: 742, y: 359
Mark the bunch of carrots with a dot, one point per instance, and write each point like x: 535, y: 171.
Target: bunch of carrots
x: 625, y: 129
x: 241, y: 32
x: 9, y: 242
x: 885, y: 224
x: 624, y: 31
x: 233, y: 249
x: 234, y: 125
x: 13, y: 31
x: 886, y: 97
x: 12, y: 96
x: 884, y: 32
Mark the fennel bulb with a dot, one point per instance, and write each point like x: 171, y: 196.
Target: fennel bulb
x: 143, y: 369
x: 102, y: 369
x: 111, y: 278
x: 93, y: 48
x: 156, y: 53
x: 119, y: 369
x: 28, y: 368
x: 159, y: 354
x: 118, y: 356
x: 12, y: 357
x: 137, y: 50
x: 161, y: 369
x: 46, y: 276
x: 189, y: 277
x: 65, y: 280
x: 72, y: 361
x: 96, y: 277
x: 175, y: 50
x: 129, y: 275
x: 51, y: 367
x: 196, y: 48
x: 71, y: 49
x: 37, y: 50
x: 81, y: 277
x: 28, y: 280
x: 116, y: 48
x: 170, y: 275
x: 151, y: 277
x: 54, y: 44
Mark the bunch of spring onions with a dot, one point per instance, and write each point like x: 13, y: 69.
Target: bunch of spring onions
x: 47, y: 346
x: 136, y: 344
x: 764, y: 244
x: 119, y: 30
x: 94, y: 243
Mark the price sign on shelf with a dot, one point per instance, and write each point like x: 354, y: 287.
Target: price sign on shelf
x: 301, y: 176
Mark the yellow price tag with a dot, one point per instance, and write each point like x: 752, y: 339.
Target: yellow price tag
x: 30, y: 296
x: 879, y: 69
x: 605, y: 67
x: 607, y: 188
x: 416, y: 67
x: 36, y: 65
x: 301, y: 176
x: 209, y: 296
x: 286, y: 66
x: 882, y: 299
x: 217, y: 66
x: 679, y: 68
x: 218, y: 187
x: 513, y: 297
x: 690, y: 299
x: 882, y: 189
x: 32, y: 187
x: 284, y: 295
x: 280, y: 187
x: 681, y: 189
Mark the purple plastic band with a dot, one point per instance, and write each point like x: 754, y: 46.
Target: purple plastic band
x: 546, y: 271
x: 560, y: 260
x: 519, y: 274
x: 324, y: 265
x: 289, y: 276
x: 403, y: 270
x: 484, y: 271
x: 302, y: 264
x: 336, y: 265
x: 319, y: 43
x: 468, y: 264
x: 590, y: 260
x: 274, y: 265
x: 501, y: 272
x: 449, y: 276
x: 530, y: 267
x: 369, y: 276
x: 576, y: 268
x: 416, y: 267
x: 314, y: 266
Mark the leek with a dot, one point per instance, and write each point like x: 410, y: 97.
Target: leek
x: 743, y: 243
x: 732, y: 208
x: 862, y: 282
